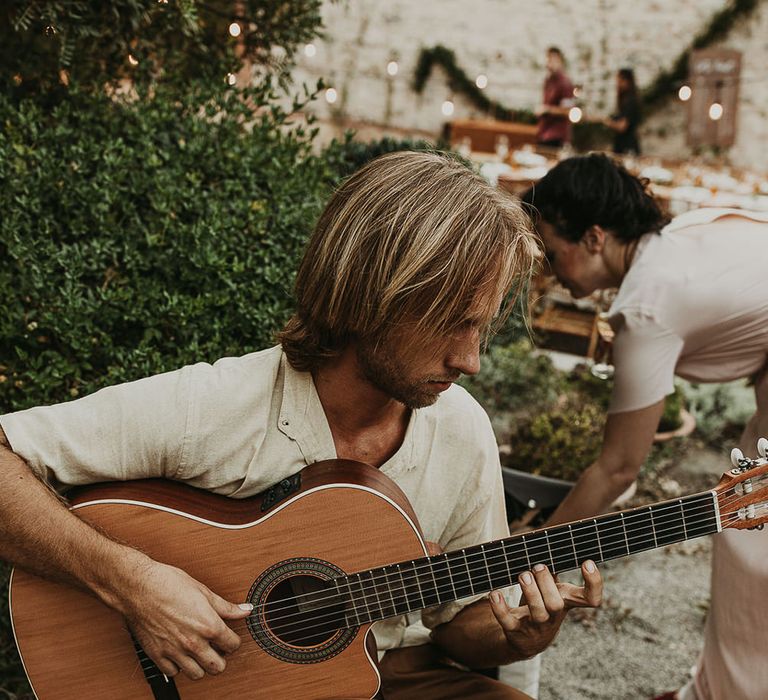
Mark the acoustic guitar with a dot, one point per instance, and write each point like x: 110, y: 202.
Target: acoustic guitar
x: 322, y: 556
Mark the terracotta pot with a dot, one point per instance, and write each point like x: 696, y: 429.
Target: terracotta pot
x: 686, y: 428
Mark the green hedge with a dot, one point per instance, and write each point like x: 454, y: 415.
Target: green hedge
x: 138, y: 237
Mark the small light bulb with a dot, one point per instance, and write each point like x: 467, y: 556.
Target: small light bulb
x: 231, y: 78
x: 133, y: 60
x: 481, y: 81
x: 331, y: 96
x: 392, y: 67
x: 447, y: 108
x: 234, y: 29
x: 574, y: 114
x: 715, y: 111
x: 310, y: 50
x: 684, y: 93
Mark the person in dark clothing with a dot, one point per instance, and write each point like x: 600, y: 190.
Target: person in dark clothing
x: 554, y: 129
x: 627, y: 116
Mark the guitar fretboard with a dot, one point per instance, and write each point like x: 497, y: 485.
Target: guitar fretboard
x: 377, y: 594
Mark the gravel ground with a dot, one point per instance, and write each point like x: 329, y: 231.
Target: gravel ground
x: 647, y: 635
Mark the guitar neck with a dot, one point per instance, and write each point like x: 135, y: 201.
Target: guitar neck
x: 377, y: 594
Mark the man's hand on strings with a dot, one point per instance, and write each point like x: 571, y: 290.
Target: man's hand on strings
x: 532, y: 626
x: 179, y: 622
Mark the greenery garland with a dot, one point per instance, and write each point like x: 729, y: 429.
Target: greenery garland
x: 459, y: 82
x: 662, y: 87
x: 721, y: 24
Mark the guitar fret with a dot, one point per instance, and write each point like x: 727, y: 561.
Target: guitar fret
x: 597, y: 537
x: 653, y: 528
x: 563, y: 549
x: 527, y: 556
x: 573, y: 545
x: 506, y: 560
x: 391, y: 595
x: 434, y: 583
x: 376, y: 594
x: 498, y: 571
x: 450, y: 577
x: 353, y: 609
x: 487, y: 568
x: 682, y: 517
x: 418, y: 584
x: 406, y: 607
x: 460, y: 574
x: 364, y: 597
x: 549, y: 549
x: 624, y: 529
x: 469, y: 573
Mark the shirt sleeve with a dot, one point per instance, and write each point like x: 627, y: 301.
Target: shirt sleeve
x: 645, y: 354
x: 566, y: 97
x: 486, y: 521
x: 130, y: 431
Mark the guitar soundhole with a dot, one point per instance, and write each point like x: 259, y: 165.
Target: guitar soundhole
x: 298, y: 615
x: 299, y: 612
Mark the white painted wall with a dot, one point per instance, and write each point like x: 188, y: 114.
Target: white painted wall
x: 506, y: 40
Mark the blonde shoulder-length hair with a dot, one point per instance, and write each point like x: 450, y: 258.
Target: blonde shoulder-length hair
x: 412, y: 235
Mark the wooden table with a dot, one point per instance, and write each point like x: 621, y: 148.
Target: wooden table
x: 483, y: 133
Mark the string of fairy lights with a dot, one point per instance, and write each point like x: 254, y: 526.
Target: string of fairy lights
x: 715, y: 110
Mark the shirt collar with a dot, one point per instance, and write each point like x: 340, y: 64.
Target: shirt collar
x: 303, y: 420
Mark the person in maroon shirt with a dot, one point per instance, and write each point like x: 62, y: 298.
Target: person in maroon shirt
x: 554, y: 126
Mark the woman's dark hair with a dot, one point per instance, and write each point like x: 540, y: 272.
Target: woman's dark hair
x: 594, y: 190
x: 628, y: 75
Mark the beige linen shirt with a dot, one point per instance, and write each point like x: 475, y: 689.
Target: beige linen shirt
x: 694, y: 304
x: 242, y: 424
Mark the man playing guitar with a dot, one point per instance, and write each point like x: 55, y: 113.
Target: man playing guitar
x: 408, y: 269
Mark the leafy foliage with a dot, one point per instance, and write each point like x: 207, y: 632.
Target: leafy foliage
x: 46, y: 43
x: 460, y: 82
x: 141, y: 236
x: 559, y: 442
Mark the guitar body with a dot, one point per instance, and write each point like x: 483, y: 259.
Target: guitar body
x: 345, y: 517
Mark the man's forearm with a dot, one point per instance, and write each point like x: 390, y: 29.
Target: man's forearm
x: 39, y: 534
x: 475, y: 639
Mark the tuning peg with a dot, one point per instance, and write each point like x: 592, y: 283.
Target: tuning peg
x: 736, y: 456
x: 762, y: 447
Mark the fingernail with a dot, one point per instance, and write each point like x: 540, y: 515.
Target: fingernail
x: 539, y: 567
x: 527, y: 578
x: 589, y: 565
x: 495, y: 597
x: 245, y: 606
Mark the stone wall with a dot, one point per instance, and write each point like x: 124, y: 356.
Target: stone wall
x: 506, y: 40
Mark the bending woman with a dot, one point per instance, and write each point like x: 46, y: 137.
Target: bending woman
x: 692, y: 301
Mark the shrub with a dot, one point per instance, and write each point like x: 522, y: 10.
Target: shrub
x: 721, y: 410
x: 514, y: 380
x: 559, y: 442
x: 138, y: 237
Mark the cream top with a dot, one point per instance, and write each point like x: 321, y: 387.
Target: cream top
x: 694, y: 303
x: 242, y: 424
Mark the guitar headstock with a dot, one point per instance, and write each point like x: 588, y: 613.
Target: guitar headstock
x: 742, y: 494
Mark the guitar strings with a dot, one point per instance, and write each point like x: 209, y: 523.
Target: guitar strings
x: 726, y: 520
x: 577, y: 528
x: 537, y: 548
x: 473, y: 564
x: 729, y: 518
x: 444, y: 585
